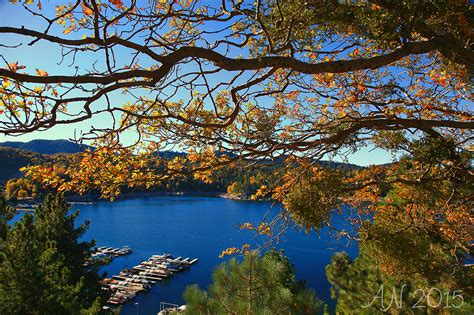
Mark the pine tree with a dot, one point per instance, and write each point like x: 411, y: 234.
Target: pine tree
x: 41, y: 266
x: 361, y: 288
x: 6, y: 214
x: 257, y: 285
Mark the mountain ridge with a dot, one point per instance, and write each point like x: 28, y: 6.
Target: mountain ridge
x: 45, y: 146
x: 15, y: 155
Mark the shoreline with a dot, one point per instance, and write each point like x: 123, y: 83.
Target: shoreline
x: 90, y: 198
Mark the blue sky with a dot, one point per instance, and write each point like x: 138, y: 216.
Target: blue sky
x: 46, y: 56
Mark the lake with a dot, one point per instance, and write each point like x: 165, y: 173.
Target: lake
x: 196, y: 227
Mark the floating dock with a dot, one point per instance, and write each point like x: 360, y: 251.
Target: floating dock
x: 106, y: 254
x: 125, y: 286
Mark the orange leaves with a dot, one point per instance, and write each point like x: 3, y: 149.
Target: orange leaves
x: 41, y: 73
x: 292, y: 95
x: 247, y: 226
x: 440, y: 78
x: 15, y: 67
x: 356, y: 53
x: 243, y: 250
x: 375, y: 7
x: 87, y: 11
x: 361, y: 87
x: 229, y: 251
x: 264, y: 229
x: 117, y: 3
x: 67, y: 18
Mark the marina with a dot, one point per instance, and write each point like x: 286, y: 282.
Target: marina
x: 112, y: 252
x: 104, y: 255
x: 125, y: 286
x: 167, y: 224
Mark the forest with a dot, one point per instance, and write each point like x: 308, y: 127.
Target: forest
x: 253, y: 95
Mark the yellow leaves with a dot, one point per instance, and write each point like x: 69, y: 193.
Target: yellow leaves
x: 176, y: 164
x: 342, y: 113
x: 6, y: 83
x: 65, y: 14
x: 222, y: 99
x: 229, y: 251
x: 246, y: 226
x: 41, y: 73
x: 204, y: 176
x: 243, y: 250
x: 28, y: 2
x: 264, y: 229
x: 38, y: 89
x: 237, y: 26
x: 260, y: 193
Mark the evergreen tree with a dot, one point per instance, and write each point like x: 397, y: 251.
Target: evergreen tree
x: 6, y: 214
x: 362, y: 288
x: 409, y: 252
x: 41, y: 264
x: 257, y: 285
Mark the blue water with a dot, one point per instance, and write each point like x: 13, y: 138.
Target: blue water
x: 196, y: 227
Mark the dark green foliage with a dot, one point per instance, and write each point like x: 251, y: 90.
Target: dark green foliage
x: 41, y: 264
x: 14, y: 159
x: 387, y: 25
x: 359, y: 286
x: 312, y: 198
x: 257, y: 285
x: 45, y: 146
x: 6, y: 214
x: 404, y: 248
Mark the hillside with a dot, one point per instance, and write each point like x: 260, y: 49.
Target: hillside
x: 15, y: 155
x: 14, y: 159
x: 45, y: 146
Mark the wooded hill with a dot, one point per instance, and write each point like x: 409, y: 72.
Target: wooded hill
x: 15, y: 155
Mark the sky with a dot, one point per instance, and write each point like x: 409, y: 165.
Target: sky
x: 46, y: 56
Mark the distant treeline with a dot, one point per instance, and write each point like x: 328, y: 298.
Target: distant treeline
x: 241, y: 180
